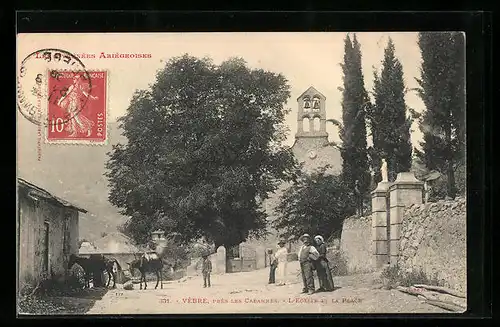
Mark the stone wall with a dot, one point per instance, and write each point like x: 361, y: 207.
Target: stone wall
x: 433, y: 239
x: 356, y: 244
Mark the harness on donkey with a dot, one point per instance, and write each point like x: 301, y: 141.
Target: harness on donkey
x: 148, y: 262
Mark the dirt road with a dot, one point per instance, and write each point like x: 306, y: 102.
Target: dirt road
x: 248, y: 292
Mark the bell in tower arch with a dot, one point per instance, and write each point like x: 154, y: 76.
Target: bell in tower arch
x: 307, y: 103
x: 316, y: 103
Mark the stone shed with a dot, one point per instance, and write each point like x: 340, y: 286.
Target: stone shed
x: 47, y: 234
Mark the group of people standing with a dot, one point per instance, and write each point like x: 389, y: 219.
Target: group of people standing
x: 312, y: 257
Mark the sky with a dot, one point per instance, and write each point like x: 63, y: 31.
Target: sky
x: 305, y: 59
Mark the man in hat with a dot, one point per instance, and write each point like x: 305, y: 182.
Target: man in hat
x: 307, y: 256
x: 206, y: 269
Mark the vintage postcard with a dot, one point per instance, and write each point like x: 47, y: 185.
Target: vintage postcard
x: 202, y: 173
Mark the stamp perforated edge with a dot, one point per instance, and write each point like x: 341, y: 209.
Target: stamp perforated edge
x: 106, y: 104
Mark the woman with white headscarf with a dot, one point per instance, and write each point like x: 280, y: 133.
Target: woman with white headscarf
x: 323, y: 268
x: 281, y: 257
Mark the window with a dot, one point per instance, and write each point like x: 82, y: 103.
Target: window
x: 316, y: 123
x: 305, y: 124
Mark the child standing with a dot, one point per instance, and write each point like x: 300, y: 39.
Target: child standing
x: 206, y: 269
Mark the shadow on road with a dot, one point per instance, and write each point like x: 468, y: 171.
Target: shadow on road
x: 82, y: 302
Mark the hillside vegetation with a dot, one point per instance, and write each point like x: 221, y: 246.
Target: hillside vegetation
x: 74, y: 173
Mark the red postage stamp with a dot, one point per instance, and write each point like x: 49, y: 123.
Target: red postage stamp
x: 76, y: 107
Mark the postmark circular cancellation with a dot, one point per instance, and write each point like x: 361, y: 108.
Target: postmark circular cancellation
x: 56, y: 91
x: 33, y: 90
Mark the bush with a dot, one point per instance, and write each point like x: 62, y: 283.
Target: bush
x: 419, y: 277
x: 76, y: 277
x: 390, y: 277
x: 39, y: 306
x: 439, y: 186
x: 338, y: 263
x: 393, y: 276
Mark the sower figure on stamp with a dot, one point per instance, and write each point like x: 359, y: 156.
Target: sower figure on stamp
x: 307, y: 255
x: 322, y: 267
x: 206, y: 269
x: 71, y: 103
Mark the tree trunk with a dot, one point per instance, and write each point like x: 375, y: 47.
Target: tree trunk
x: 451, y: 191
x: 391, y: 169
x: 450, y: 172
x: 441, y: 290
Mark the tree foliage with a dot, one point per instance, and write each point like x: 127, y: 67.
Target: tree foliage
x: 204, y: 150
x: 442, y: 89
x: 175, y: 255
x: 316, y: 204
x: 387, y: 116
x: 353, y: 132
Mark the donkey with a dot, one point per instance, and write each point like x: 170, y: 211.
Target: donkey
x: 86, y: 265
x: 148, y: 262
x: 96, y: 262
x: 108, y: 265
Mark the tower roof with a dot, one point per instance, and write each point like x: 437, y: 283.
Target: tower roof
x: 312, y: 91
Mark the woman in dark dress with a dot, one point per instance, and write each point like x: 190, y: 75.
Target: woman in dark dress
x: 273, y: 264
x: 323, y: 268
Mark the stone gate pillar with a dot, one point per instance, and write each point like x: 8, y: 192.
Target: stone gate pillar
x: 260, y: 257
x: 404, y: 191
x: 220, y: 261
x: 380, y: 224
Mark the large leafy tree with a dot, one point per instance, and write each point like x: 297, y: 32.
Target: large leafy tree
x: 389, y: 122
x: 353, y: 132
x: 204, y: 149
x: 442, y: 89
x: 317, y: 203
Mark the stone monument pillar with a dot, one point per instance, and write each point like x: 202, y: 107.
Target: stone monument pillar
x: 260, y: 257
x: 380, y: 224
x: 404, y: 191
x: 220, y: 261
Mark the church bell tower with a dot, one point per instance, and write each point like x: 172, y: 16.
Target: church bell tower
x: 311, y: 116
x: 311, y: 140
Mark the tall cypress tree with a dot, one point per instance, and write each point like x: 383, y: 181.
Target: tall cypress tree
x: 442, y: 88
x: 353, y: 134
x: 388, y: 120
